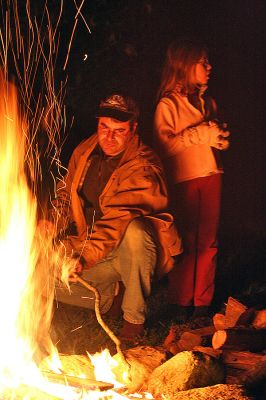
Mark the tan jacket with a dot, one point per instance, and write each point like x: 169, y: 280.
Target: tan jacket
x: 185, y: 154
x: 136, y: 188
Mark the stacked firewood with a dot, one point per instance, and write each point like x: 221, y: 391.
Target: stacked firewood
x: 221, y: 361
x: 237, y: 337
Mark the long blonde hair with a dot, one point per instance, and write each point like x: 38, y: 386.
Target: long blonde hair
x: 178, y: 69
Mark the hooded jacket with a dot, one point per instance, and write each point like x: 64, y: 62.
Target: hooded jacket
x: 135, y: 189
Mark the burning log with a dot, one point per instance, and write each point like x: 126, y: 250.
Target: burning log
x: 240, y: 338
x: 184, y: 371
x: 143, y: 360
x: 74, y: 381
x: 78, y: 365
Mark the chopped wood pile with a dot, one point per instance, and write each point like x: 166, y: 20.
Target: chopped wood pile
x: 224, y: 360
x: 237, y: 338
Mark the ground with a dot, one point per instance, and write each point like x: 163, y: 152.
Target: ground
x: 76, y: 331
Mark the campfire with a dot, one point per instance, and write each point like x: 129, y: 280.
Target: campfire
x: 30, y: 366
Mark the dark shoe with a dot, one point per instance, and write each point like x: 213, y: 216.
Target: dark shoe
x: 131, y: 332
x: 182, y: 314
x: 115, y: 312
x: 201, y: 312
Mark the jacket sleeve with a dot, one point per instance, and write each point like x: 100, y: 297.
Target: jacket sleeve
x: 140, y: 191
x: 170, y: 138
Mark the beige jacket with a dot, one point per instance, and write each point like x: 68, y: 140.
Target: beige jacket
x: 185, y: 153
x: 136, y: 188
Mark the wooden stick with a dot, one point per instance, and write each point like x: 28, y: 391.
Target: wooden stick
x: 101, y: 321
x: 74, y: 381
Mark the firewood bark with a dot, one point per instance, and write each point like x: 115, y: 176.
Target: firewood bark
x: 184, y: 371
x: 215, y: 392
x: 241, y: 360
x: 143, y: 360
x: 209, y: 350
x: 74, y: 381
x: 240, y: 339
x: 244, y: 368
x: 189, y: 339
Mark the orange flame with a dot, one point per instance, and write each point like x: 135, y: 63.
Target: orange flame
x: 28, y: 279
x: 26, y: 291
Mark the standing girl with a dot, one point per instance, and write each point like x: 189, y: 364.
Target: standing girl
x: 189, y: 139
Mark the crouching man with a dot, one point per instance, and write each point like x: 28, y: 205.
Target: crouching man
x: 113, y: 204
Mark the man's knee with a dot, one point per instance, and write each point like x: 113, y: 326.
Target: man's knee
x: 138, y: 230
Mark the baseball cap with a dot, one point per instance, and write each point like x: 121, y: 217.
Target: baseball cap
x: 117, y: 106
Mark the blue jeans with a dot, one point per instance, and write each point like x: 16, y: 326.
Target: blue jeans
x: 133, y: 263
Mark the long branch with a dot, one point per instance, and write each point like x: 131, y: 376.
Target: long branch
x: 101, y: 321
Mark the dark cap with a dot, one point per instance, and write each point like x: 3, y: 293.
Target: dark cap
x: 119, y: 107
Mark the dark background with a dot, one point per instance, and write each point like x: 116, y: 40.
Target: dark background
x: 125, y: 51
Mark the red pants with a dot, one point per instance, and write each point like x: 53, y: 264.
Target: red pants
x: 191, y: 282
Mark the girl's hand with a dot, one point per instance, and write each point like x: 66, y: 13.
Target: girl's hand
x: 217, y: 135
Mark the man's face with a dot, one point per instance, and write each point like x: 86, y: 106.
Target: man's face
x: 114, y: 135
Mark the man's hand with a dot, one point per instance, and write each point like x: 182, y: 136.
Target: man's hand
x: 76, y: 269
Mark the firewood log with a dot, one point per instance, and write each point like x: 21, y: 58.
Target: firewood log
x: 220, y: 322
x: 233, y: 312
x: 241, y: 360
x: 246, y: 318
x: 184, y: 371
x: 260, y: 319
x: 209, y: 350
x: 255, y: 376
x: 189, y: 339
x: 240, y: 339
x: 234, y: 309
x: 75, y: 364
x: 244, y: 367
x: 142, y: 360
x: 215, y: 392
